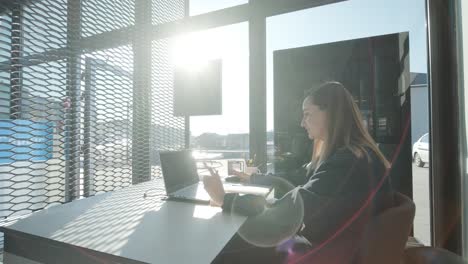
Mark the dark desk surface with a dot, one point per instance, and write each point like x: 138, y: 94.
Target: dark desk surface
x: 127, y: 225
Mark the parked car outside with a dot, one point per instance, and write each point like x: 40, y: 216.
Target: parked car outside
x: 421, y: 151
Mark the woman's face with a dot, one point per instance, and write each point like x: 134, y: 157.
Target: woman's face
x: 313, y: 120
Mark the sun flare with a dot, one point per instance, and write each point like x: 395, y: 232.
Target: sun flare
x: 194, y: 50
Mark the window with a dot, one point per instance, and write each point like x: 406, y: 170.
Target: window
x: 346, y: 21
x: 226, y: 135
x: 198, y: 7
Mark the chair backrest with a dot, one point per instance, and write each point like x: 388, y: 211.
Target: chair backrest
x: 430, y: 255
x: 383, y: 238
x: 386, y: 236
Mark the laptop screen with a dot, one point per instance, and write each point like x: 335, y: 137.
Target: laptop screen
x: 179, y: 169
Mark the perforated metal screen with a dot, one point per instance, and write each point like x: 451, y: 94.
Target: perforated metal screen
x: 100, y: 16
x: 32, y: 130
x: 160, y: 8
x: 168, y: 131
x: 5, y: 49
x: 107, y: 104
x: 85, y: 99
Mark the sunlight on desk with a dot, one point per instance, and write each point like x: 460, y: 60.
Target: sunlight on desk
x: 124, y: 227
x: 205, y: 212
x: 95, y: 226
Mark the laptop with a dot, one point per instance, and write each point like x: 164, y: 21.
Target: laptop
x: 182, y: 181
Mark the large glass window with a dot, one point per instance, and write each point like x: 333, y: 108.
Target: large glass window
x: 292, y: 37
x: 224, y: 135
x: 198, y: 7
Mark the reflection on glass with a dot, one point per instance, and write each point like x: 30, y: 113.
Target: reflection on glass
x: 357, y: 19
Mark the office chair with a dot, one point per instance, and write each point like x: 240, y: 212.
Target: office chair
x: 386, y: 236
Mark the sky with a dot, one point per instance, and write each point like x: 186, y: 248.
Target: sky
x: 341, y: 21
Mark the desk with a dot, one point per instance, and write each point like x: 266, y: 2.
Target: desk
x: 121, y: 227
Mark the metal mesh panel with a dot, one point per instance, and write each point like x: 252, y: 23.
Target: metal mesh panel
x: 107, y: 100
x: 100, y: 16
x: 33, y: 142
x: 167, y: 10
x: 67, y: 112
x: 168, y: 131
x: 5, y: 49
x: 107, y: 115
x: 35, y: 160
x: 44, y: 26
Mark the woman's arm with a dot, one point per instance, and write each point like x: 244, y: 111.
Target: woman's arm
x: 321, y: 185
x: 250, y: 204
x: 331, y: 197
x: 293, y: 178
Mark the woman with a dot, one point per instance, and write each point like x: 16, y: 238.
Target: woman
x: 345, y: 184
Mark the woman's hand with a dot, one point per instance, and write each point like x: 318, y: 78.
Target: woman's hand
x: 214, y: 187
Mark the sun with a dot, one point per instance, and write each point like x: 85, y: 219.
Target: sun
x: 192, y: 51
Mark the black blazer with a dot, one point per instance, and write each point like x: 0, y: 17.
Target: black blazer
x: 342, y: 187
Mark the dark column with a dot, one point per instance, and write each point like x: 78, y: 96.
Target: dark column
x: 445, y: 159
x: 72, y: 121
x: 141, y: 167
x: 187, y: 118
x: 89, y: 120
x: 257, y: 83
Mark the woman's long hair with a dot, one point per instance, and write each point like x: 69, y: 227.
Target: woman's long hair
x: 345, y: 127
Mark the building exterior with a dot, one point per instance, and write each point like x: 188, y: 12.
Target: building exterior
x: 419, y: 106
